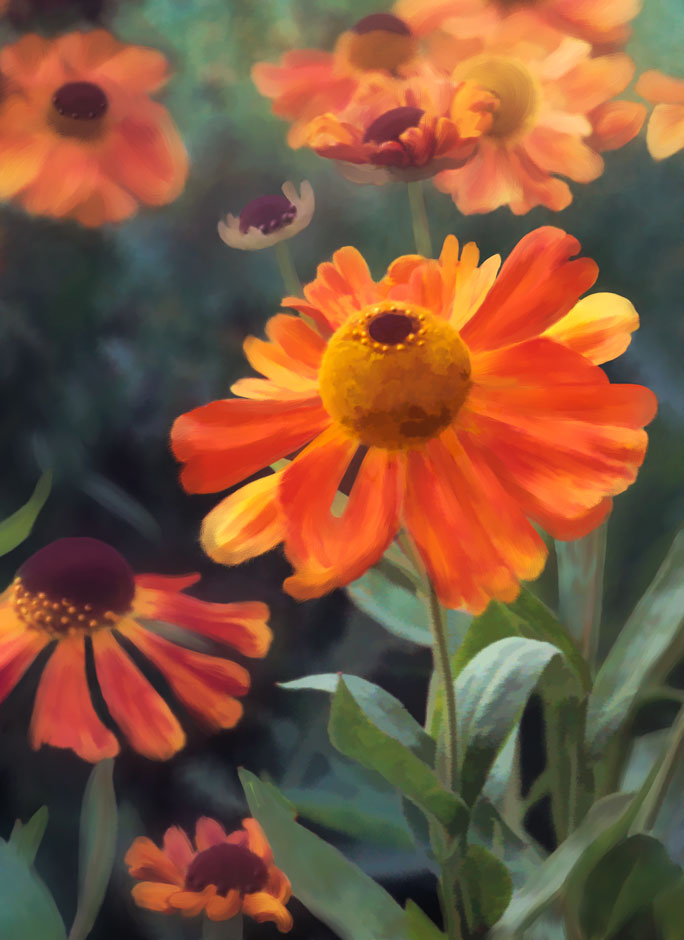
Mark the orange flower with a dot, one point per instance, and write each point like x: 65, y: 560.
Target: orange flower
x: 555, y: 115
x: 407, y: 130
x: 665, y: 131
x: 223, y: 875
x: 310, y: 82
x: 602, y: 22
x: 80, y: 588
x: 79, y: 135
x: 466, y: 400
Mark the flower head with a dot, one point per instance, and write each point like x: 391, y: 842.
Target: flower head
x: 469, y: 401
x: 269, y: 219
x: 80, y: 591
x: 222, y: 875
x: 79, y: 135
x: 665, y: 131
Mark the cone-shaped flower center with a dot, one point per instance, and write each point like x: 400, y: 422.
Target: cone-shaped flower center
x: 228, y: 867
x: 72, y: 584
x: 394, y: 375
x: 378, y: 41
x: 392, y: 124
x: 267, y: 213
x: 78, y: 109
x: 513, y: 84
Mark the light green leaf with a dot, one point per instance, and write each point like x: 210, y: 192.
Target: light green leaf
x: 668, y: 908
x: 17, y: 527
x: 492, y: 831
x: 420, y: 927
x: 27, y: 910
x: 26, y: 837
x: 331, y: 887
x: 580, y: 585
x: 355, y: 735
x: 650, y: 642
x: 97, y: 846
x: 486, y: 885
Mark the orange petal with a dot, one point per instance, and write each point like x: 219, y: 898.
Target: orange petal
x: 192, y: 903
x: 486, y: 182
x: 246, y: 523
x: 263, y: 907
x: 271, y: 360
x: 342, y: 286
x: 153, y: 896
x: 178, y: 847
x: 659, y: 88
x: 165, y: 582
x: 594, y: 81
x: 32, y: 60
x: 17, y: 652
x: 598, y: 326
x: 143, y: 716
x: 208, y: 832
x: 537, y: 285
x: 615, y: 123
x: 566, y: 530
x: 63, y: 714
x: 564, y: 154
x: 297, y: 340
x: 21, y: 158
x: 147, y: 861
x: 665, y: 131
x: 206, y: 685
x: 257, y: 841
x: 223, y: 908
x: 500, y: 372
x: 105, y: 202
x: 225, y: 441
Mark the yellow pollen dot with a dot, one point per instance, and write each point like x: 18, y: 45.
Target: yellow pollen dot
x: 389, y: 400
x: 64, y: 620
x: 88, y: 607
x: 81, y: 618
x: 93, y: 623
x: 71, y: 610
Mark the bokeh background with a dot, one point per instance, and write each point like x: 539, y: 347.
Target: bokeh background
x: 106, y: 336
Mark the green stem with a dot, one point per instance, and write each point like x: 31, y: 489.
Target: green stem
x: 287, y: 269
x: 222, y: 929
x: 419, y: 217
x: 452, y: 919
x: 648, y: 813
x: 440, y: 655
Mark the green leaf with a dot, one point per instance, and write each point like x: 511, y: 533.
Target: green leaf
x: 486, y: 886
x: 492, y: 831
x: 97, y: 846
x: 650, y: 642
x: 548, y: 880
x: 26, y: 837
x: 668, y: 908
x: 27, y: 910
x: 17, y: 527
x: 580, y: 585
x: 354, y: 734
x: 623, y: 883
x: 331, y: 887
x: 383, y: 709
x: 420, y: 927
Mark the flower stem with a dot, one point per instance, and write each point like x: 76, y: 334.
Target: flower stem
x: 287, y: 269
x: 440, y: 655
x: 222, y: 929
x: 419, y: 217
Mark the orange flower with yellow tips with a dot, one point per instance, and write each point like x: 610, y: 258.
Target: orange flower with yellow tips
x: 466, y: 401
x: 665, y: 131
x: 80, y: 137
x: 222, y: 874
x: 79, y: 592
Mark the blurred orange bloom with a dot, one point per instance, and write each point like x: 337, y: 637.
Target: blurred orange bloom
x: 665, y: 131
x: 601, y: 22
x: 79, y: 135
x: 222, y: 875
x: 79, y: 589
x: 405, y: 130
x: 467, y: 401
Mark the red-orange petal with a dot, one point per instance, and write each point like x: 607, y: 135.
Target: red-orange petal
x: 142, y: 714
x: 63, y: 713
x: 208, y: 832
x: 246, y: 523
x: 147, y: 861
x: 153, y: 896
x: 615, y: 123
x: 342, y: 286
x: 257, y: 841
x: 17, y: 652
x: 223, y: 907
x: 264, y: 907
x: 178, y: 847
x: 192, y: 903
x: 659, y: 88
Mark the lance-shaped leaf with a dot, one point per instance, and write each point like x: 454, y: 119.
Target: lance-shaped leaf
x: 668, y: 908
x: 27, y: 910
x: 335, y: 891
x: 97, y: 847
x: 17, y: 527
x: 26, y: 837
x: 420, y: 927
x: 580, y: 585
x: 486, y: 887
x: 355, y: 734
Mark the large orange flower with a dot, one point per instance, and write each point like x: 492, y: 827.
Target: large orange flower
x: 222, y: 875
x: 468, y: 401
x: 80, y: 592
x: 665, y: 131
x: 79, y: 135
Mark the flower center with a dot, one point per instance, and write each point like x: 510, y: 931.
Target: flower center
x: 378, y: 41
x: 73, y: 584
x: 514, y: 86
x: 392, y: 124
x: 267, y: 213
x: 228, y: 867
x: 395, y: 375
x: 78, y: 109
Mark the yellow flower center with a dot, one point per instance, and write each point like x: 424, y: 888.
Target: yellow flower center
x: 380, y: 41
x: 394, y: 375
x: 56, y: 618
x: 513, y: 84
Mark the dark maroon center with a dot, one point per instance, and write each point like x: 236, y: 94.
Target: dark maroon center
x: 267, y: 213
x: 381, y: 21
x: 392, y: 124
x: 82, y: 101
x: 228, y: 867
x: 390, y: 329
x: 83, y: 571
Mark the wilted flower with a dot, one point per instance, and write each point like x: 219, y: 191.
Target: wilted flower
x: 79, y: 589
x: 269, y: 219
x: 222, y: 875
x: 473, y: 399
x: 79, y: 135
x: 665, y: 131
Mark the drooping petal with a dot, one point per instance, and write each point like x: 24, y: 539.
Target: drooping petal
x: 598, y: 326
x: 178, y: 847
x: 17, y: 652
x: 147, y: 861
x: 63, y: 713
x: 208, y: 832
x: 665, y: 131
x: 249, y: 522
x: 615, y: 123
x: 224, y: 907
x: 263, y: 907
x: 153, y: 896
x: 659, y: 88
x: 192, y: 903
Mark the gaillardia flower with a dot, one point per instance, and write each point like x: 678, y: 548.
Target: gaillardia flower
x: 77, y: 592
x: 665, y: 131
x: 222, y: 875
x: 79, y: 135
x: 468, y: 401
x: 269, y: 219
